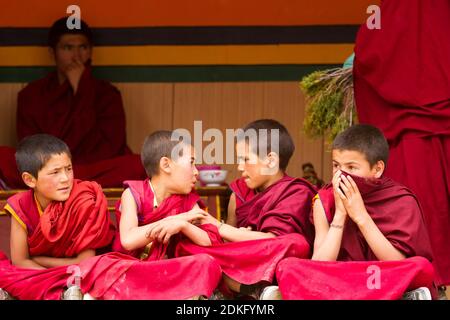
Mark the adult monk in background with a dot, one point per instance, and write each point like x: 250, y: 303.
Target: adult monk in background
x: 402, y: 86
x: 84, y: 112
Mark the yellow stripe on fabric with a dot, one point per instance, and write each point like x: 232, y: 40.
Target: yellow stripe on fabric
x: 9, y: 209
x: 190, y: 55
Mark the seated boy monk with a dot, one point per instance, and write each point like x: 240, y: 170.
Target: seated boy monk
x: 155, y: 214
x: 268, y: 215
x: 52, y: 224
x: 371, y: 225
x: 85, y: 112
x: 58, y: 225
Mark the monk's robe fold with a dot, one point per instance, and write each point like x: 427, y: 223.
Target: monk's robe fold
x: 66, y: 228
x: 402, y: 86
x: 397, y: 214
x: 108, y: 173
x: 301, y: 279
x: 283, y: 209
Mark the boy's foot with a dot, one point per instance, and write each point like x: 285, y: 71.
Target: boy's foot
x: 87, y: 296
x: 422, y: 293
x: 4, y: 295
x: 199, y: 297
x: 270, y: 293
x: 217, y: 295
x: 73, y: 293
x: 441, y: 293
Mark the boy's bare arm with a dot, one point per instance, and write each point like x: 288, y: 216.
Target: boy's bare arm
x: 131, y: 235
x: 327, y: 242
x: 164, y: 229
x: 356, y: 210
x: 19, y: 247
x: 231, y: 216
x: 50, y: 262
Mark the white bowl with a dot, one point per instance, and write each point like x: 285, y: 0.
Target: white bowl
x: 212, y: 178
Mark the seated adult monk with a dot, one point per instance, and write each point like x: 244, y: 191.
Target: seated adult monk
x: 371, y: 241
x: 268, y: 216
x: 84, y: 112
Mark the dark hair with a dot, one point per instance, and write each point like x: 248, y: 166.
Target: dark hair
x: 157, y: 145
x: 59, y: 28
x: 307, y: 164
x: 34, y: 151
x: 366, y: 139
x: 285, y: 144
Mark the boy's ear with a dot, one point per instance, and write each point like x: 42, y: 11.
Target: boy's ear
x: 165, y: 165
x: 29, y: 180
x: 273, y: 160
x: 379, y: 168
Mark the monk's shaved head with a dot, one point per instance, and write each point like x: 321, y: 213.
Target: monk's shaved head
x: 285, y: 143
x: 34, y: 151
x: 157, y: 145
x: 365, y: 139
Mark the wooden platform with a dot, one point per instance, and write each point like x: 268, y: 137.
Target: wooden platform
x: 215, y: 198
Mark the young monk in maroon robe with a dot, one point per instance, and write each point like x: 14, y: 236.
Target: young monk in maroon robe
x: 52, y: 224
x: 268, y: 216
x: 370, y: 224
x: 56, y: 227
x: 158, y: 212
x: 81, y: 110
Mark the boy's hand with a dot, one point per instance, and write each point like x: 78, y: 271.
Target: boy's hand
x: 163, y: 229
x: 210, y: 219
x: 353, y: 201
x: 194, y: 216
x: 338, y: 195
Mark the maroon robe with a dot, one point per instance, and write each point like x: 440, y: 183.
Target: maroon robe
x: 402, y: 86
x: 397, y: 214
x: 283, y: 209
x: 108, y: 276
x: 66, y: 228
x: 91, y: 122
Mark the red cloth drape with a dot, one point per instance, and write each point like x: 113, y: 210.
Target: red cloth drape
x: 249, y: 262
x: 301, y: 279
x: 66, y: 228
x: 282, y: 208
x: 82, y: 222
x: 402, y: 86
x: 116, y: 276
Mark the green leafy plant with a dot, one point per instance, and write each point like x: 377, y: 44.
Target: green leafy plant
x: 330, y: 102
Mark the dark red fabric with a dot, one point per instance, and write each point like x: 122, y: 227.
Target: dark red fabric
x: 91, y: 122
x: 112, y: 275
x: 282, y: 208
x: 108, y: 173
x: 66, y: 228
x: 402, y: 86
x: 147, y: 214
x: 301, y: 279
x: 395, y: 211
x: 249, y: 262
x: 116, y: 276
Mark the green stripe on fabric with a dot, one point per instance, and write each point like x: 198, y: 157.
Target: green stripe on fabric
x: 176, y: 73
